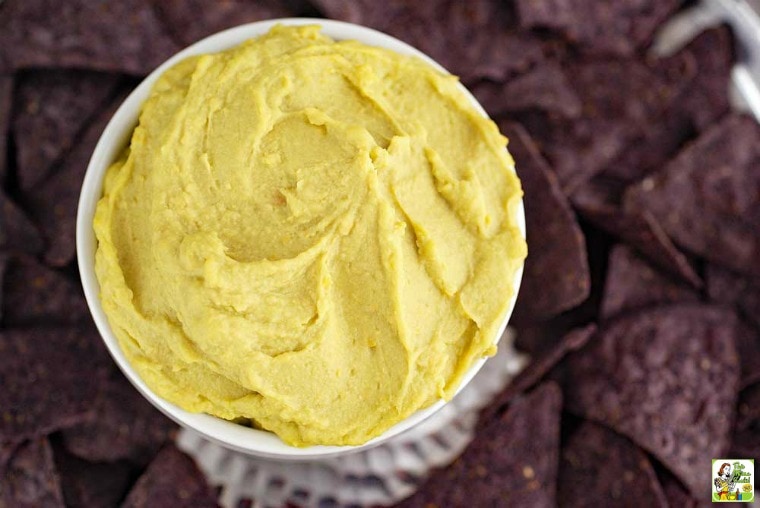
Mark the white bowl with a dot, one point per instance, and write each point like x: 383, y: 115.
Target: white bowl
x: 109, y: 147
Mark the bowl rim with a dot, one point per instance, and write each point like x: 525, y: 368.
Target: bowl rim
x: 111, y: 143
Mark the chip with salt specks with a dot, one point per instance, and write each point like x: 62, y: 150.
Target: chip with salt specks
x: 667, y: 379
x: 556, y: 276
x: 511, y: 462
x: 707, y: 199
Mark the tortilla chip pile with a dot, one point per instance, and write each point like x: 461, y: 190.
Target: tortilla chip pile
x: 641, y: 295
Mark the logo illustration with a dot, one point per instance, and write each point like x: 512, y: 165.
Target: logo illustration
x: 733, y: 480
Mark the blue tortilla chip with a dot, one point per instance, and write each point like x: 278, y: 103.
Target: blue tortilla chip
x: 54, y: 203
x: 556, y: 274
x: 45, y: 386
x: 6, y: 92
x: 620, y: 99
x: 52, y: 107
x: 511, y: 462
x: 704, y: 68
x: 189, y: 21
x: 105, y: 437
x: 620, y: 27
x: 707, y: 199
x: 632, y: 284
x: 470, y: 39
x: 124, y: 36
x: 172, y: 479
x: 667, y: 379
x: 93, y: 484
x: 30, y: 479
x: 640, y: 230
x: 33, y: 293
x: 705, y: 99
x: 538, y: 368
x: 601, y: 468
x: 17, y: 232
x: 544, y: 87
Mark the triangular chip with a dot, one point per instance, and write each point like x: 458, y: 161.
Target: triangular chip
x: 50, y: 378
x: 189, y: 21
x: 638, y: 229
x: 545, y: 87
x: 172, y: 479
x: 667, y: 379
x: 620, y: 27
x: 471, y: 39
x: 89, y: 484
x: 30, y: 479
x: 52, y: 107
x: 512, y: 461
x: 632, y: 284
x: 32, y: 293
x: 704, y: 67
x: 105, y: 437
x: 707, y: 198
x: 54, y: 204
x: 620, y: 99
x: 17, y: 232
x: 556, y: 276
x: 124, y: 36
x: 538, y: 368
x: 601, y: 468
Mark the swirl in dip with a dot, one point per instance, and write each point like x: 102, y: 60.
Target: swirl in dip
x: 317, y: 236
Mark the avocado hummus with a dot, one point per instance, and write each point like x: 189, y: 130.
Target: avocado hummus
x: 317, y: 236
